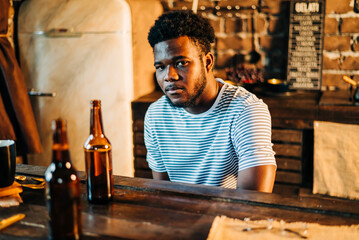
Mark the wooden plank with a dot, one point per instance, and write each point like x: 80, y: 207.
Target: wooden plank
x: 140, y: 151
x: 143, y: 173
x: 289, y: 164
x: 139, y: 109
x: 140, y: 162
x: 288, y: 150
x: 288, y: 177
x: 287, y: 135
x: 138, y: 125
x: 139, y: 138
x: 336, y: 98
x: 286, y: 122
x: 229, y: 195
x: 215, y: 206
x: 298, y: 105
x: 335, y: 106
x: 212, y: 207
x: 339, y: 114
x: 286, y: 189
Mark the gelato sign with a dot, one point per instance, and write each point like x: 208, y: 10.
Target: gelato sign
x: 307, y: 7
x: 305, y: 46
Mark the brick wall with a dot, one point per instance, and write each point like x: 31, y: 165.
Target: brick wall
x: 341, y: 47
x: 232, y: 21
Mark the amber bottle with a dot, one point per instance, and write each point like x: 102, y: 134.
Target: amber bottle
x: 98, y: 159
x: 63, y: 194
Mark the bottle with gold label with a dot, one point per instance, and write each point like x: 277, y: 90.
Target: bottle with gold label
x: 63, y: 194
x: 98, y: 159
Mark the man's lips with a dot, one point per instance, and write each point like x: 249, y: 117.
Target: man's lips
x: 174, y: 90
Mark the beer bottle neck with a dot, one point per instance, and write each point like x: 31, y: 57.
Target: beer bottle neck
x: 96, y: 127
x: 61, y: 155
x: 60, y: 146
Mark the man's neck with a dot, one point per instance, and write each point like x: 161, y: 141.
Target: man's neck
x: 207, y: 103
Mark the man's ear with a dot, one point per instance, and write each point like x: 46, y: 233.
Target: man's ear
x: 209, y: 61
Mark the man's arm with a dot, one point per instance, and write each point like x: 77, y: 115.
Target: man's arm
x: 260, y: 178
x: 153, y: 156
x: 160, y: 175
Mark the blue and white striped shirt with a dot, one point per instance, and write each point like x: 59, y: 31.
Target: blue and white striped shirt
x: 209, y: 148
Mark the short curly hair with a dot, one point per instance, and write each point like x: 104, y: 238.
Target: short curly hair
x: 179, y: 23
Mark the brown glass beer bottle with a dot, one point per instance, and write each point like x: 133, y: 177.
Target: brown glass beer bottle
x: 98, y: 159
x: 63, y: 194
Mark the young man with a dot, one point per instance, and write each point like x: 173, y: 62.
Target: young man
x: 203, y: 131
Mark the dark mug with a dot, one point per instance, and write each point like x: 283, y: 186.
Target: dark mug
x: 7, y: 162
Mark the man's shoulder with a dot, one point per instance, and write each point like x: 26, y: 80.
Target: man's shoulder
x: 159, y: 107
x: 238, y: 94
x: 238, y: 98
x: 160, y: 103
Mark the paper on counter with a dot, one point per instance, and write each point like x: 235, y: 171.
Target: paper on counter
x: 234, y: 229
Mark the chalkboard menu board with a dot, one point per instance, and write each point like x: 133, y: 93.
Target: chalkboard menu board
x: 305, y: 48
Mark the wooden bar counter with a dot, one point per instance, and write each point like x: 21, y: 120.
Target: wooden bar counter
x: 150, y: 209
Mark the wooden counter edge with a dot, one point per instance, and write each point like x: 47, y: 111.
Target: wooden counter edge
x: 309, y: 203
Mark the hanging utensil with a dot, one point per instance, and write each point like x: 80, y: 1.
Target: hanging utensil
x: 349, y: 80
x: 253, y: 56
x: 354, y: 89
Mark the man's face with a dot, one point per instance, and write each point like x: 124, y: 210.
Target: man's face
x: 180, y: 71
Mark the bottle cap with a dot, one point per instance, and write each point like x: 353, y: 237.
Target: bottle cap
x: 96, y: 103
x: 58, y: 124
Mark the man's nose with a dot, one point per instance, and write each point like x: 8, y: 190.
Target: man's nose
x: 171, y: 74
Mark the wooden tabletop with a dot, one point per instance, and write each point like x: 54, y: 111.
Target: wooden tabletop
x: 150, y: 209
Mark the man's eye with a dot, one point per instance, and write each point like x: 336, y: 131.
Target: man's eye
x: 182, y: 63
x: 159, y: 67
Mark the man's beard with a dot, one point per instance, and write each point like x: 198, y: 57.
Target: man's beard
x: 201, y: 83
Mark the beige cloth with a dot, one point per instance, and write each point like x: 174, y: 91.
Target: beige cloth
x: 336, y: 159
x: 234, y: 229
x: 10, y: 201
x: 9, y: 196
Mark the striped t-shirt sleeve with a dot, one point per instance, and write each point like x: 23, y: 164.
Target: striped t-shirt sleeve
x: 251, y: 136
x: 154, y: 157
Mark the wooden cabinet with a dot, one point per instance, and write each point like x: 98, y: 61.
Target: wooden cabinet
x: 292, y: 113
